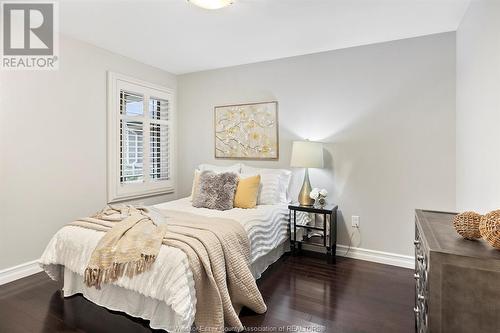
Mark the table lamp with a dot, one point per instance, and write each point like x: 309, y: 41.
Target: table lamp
x: 306, y: 154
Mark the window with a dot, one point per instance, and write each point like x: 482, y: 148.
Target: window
x: 140, y: 138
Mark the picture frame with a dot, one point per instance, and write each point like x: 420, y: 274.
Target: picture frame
x: 246, y: 131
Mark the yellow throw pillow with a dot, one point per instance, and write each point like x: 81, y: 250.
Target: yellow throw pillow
x: 246, y: 192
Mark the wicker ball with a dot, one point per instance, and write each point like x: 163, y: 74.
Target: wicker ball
x: 467, y: 225
x: 490, y: 228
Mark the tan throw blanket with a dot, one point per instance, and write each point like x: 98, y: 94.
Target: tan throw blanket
x: 218, y: 252
x: 130, y: 247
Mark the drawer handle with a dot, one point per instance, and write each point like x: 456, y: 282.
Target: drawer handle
x: 420, y: 297
x: 416, y: 242
x: 416, y: 310
x: 420, y: 258
x: 416, y: 276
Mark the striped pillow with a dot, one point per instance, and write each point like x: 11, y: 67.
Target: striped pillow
x: 274, y: 184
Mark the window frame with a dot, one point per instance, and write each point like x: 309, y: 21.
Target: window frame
x: 116, y: 191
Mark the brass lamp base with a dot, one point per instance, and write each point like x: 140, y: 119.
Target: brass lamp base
x: 304, y: 198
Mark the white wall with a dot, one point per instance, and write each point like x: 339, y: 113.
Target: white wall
x: 53, y: 145
x: 387, y: 112
x: 478, y: 108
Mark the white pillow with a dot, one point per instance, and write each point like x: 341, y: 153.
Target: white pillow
x: 269, y: 193
x: 274, y: 184
x: 219, y: 169
x: 194, y: 187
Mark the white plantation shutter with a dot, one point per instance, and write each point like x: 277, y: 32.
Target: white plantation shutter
x: 140, y: 139
x: 131, y: 151
x: 159, y: 139
x: 131, y: 137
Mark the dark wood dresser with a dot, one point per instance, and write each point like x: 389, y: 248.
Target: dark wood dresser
x: 457, y: 281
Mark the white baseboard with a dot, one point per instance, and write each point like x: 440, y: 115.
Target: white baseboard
x: 17, y: 272
x: 29, y: 268
x: 377, y: 256
x: 371, y: 255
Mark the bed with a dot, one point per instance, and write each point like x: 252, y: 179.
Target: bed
x: 165, y: 294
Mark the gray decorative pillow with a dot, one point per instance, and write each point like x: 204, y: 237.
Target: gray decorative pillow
x: 216, y: 190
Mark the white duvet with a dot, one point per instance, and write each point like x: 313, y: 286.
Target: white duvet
x: 165, y: 294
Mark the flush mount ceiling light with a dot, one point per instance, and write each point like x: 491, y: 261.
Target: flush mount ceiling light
x: 211, y: 4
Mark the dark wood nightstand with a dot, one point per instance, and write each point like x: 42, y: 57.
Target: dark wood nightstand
x: 327, y: 229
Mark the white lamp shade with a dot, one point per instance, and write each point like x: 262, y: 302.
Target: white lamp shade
x: 307, y: 154
x: 211, y: 4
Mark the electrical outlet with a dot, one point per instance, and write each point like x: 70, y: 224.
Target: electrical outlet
x: 355, y: 221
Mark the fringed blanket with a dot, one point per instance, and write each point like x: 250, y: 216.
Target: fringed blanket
x: 218, y: 251
x: 129, y: 247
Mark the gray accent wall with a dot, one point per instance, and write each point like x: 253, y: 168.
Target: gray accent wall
x: 478, y: 107
x: 385, y: 111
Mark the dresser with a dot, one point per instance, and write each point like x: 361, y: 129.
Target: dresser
x: 457, y: 281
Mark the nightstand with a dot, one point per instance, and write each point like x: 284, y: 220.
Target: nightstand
x: 323, y: 229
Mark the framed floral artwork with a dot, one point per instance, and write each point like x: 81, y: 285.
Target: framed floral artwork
x: 247, y: 131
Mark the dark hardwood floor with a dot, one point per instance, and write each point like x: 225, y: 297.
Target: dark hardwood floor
x: 303, y: 294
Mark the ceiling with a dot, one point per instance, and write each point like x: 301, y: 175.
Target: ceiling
x: 179, y: 37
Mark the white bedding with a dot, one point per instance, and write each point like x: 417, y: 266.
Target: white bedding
x: 266, y: 225
x: 165, y: 294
